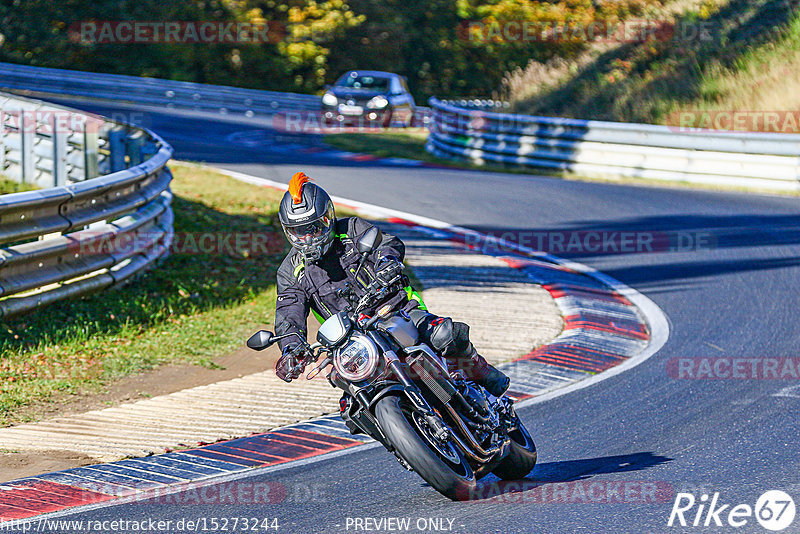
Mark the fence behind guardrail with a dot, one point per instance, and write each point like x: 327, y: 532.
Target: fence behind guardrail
x: 102, y: 216
x: 615, y: 149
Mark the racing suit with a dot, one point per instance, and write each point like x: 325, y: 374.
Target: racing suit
x: 317, y: 288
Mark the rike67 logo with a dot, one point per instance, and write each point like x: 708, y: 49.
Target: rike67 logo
x: 774, y: 510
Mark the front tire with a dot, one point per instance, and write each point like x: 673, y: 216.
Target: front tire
x: 449, y: 473
x: 522, y: 458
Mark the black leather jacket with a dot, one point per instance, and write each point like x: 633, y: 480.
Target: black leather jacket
x: 303, y: 288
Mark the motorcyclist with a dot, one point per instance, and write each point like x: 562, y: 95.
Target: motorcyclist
x: 321, y: 268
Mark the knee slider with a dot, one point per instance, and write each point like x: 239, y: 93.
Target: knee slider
x: 450, y: 338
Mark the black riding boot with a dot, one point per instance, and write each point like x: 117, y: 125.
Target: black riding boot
x: 451, y: 339
x: 482, y: 372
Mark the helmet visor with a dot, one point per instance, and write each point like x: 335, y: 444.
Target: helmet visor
x: 313, y: 233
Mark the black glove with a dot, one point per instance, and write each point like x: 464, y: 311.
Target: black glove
x: 387, y: 269
x: 289, y: 366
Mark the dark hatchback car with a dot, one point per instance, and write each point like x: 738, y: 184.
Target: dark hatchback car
x: 368, y: 97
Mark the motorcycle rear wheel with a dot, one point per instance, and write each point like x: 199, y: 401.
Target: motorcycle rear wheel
x: 453, y: 479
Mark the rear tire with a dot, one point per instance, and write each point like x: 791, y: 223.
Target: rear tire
x: 453, y: 480
x: 522, y: 458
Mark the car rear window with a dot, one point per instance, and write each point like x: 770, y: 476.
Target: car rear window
x: 365, y: 82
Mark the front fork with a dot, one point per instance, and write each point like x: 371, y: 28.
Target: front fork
x: 447, y: 393
x: 440, y: 431
x: 471, y: 448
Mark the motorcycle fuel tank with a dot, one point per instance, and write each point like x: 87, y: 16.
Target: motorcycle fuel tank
x: 401, y: 330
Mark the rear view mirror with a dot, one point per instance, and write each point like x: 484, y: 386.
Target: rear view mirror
x: 370, y: 240
x: 260, y: 340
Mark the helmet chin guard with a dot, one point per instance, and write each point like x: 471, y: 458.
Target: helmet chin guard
x: 313, y: 253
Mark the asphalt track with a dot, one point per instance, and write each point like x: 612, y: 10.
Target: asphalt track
x: 734, y: 296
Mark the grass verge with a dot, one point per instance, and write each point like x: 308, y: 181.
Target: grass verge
x: 192, y: 308
x: 409, y: 145
x: 730, y: 55
x: 8, y: 186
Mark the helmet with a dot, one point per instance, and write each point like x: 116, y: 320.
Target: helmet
x: 307, y: 217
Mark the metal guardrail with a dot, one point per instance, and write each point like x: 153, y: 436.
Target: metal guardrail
x: 158, y: 92
x: 483, y: 104
x: 105, y: 213
x: 761, y: 160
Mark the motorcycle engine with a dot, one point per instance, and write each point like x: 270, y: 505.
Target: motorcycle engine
x: 477, y: 400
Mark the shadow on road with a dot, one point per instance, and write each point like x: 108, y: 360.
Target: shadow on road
x: 561, y: 482
x: 574, y: 470
x: 679, y: 248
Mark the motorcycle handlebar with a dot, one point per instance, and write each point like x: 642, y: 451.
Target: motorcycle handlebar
x: 307, y: 353
x: 375, y: 289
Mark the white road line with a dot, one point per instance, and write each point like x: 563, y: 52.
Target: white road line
x: 789, y: 391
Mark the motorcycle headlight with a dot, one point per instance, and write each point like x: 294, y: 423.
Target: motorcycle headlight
x: 329, y: 99
x: 357, y: 360
x: 378, y: 102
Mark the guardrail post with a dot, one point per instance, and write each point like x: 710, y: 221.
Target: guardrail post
x: 133, y: 148
x: 116, y: 147
x: 149, y: 149
x: 3, y: 137
x: 27, y: 134
x: 90, y: 155
x: 59, y: 157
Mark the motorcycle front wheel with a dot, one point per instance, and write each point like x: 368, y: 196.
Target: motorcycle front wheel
x: 440, y: 464
x: 522, y: 458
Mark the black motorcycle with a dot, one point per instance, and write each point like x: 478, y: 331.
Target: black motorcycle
x: 437, y: 422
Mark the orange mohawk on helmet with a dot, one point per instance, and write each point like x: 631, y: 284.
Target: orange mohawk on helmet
x: 299, y: 179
